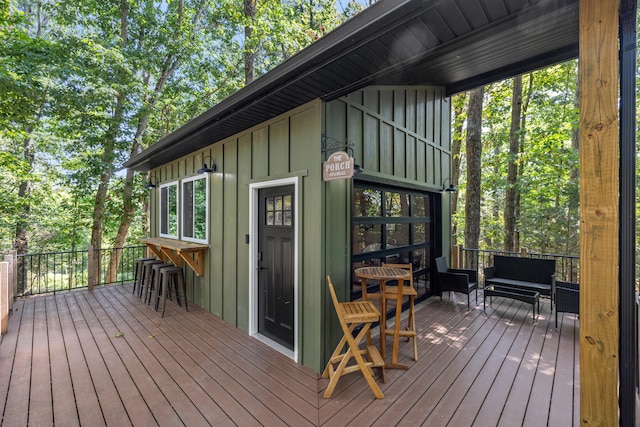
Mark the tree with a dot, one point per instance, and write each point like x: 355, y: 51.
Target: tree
x: 474, y: 156
x: 512, y: 167
x: 459, y: 117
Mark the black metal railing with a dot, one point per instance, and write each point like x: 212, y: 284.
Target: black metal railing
x: 52, y: 272
x: 567, y: 266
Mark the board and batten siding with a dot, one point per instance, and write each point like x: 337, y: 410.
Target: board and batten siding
x: 401, y: 137
x: 285, y: 146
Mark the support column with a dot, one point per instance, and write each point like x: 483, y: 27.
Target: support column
x: 599, y: 216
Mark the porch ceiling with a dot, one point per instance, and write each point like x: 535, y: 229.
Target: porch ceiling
x: 450, y: 43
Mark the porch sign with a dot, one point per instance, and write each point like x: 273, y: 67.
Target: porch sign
x: 339, y: 165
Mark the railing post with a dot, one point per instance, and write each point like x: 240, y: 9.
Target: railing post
x: 14, y: 293
x: 455, y: 256
x: 523, y: 252
x: 4, y: 297
x: 10, y: 260
x: 90, y: 268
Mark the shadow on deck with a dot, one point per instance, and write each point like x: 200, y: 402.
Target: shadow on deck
x: 105, y: 358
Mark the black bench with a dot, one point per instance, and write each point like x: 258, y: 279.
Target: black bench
x: 524, y: 295
x: 532, y: 274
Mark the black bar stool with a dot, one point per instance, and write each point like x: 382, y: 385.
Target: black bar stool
x: 171, y: 276
x: 146, y: 274
x: 138, y: 275
x: 154, y: 280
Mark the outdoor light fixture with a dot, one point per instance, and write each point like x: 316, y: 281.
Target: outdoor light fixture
x: 206, y: 169
x: 149, y: 185
x: 451, y: 188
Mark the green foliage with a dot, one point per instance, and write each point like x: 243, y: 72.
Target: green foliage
x: 80, y: 86
x: 548, y: 219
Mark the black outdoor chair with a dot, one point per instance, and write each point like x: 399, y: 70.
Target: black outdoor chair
x: 567, y: 298
x: 456, y: 279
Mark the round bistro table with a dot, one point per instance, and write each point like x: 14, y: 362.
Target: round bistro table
x: 383, y: 274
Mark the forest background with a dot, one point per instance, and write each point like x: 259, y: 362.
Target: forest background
x: 85, y: 84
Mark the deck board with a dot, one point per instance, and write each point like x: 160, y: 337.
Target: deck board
x: 106, y: 358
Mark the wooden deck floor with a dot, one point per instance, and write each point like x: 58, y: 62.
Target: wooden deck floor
x: 105, y: 358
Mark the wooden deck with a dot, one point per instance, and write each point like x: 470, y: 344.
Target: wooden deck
x: 105, y: 358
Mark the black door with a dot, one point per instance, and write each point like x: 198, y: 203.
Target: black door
x: 275, y: 264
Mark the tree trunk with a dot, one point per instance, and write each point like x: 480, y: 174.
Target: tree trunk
x: 512, y: 166
x: 523, y: 126
x: 24, y: 193
x: 249, y: 50
x: 574, y: 177
x: 474, y: 155
x: 170, y: 66
x: 456, y: 145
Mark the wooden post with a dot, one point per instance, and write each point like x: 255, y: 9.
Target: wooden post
x: 14, y: 272
x: 90, y: 268
x: 10, y: 279
x: 455, y: 256
x: 523, y: 252
x: 4, y: 297
x: 599, y: 150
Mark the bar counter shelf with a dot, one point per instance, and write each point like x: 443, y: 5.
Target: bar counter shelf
x: 178, y: 252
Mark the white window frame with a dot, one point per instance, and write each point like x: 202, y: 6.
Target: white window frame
x: 160, y: 188
x: 204, y: 176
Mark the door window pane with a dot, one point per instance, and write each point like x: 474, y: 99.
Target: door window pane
x: 279, y: 211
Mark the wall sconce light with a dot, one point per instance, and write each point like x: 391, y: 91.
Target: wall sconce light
x: 206, y: 169
x: 149, y: 185
x: 451, y: 188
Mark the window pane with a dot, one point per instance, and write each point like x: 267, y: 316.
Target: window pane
x: 169, y: 210
x: 287, y: 202
x: 173, y: 210
x: 398, y: 235
x: 397, y: 204
x: 195, y: 208
x: 270, y: 204
x: 278, y: 203
x: 420, y: 233
x: 367, y: 202
x: 187, y: 211
x: 200, y: 209
x: 287, y: 218
x: 367, y: 238
x: 164, y: 211
x: 420, y: 206
x: 269, y: 218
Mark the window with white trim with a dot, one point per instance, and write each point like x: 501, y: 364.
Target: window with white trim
x: 195, y: 208
x: 169, y: 209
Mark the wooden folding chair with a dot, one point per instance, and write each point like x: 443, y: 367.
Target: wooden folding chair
x: 408, y: 290
x: 351, y: 315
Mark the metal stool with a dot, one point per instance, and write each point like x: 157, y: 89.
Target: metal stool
x: 171, y: 276
x: 154, y: 279
x: 137, y: 277
x: 146, y: 274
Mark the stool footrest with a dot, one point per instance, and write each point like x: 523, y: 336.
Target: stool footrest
x: 376, y: 359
